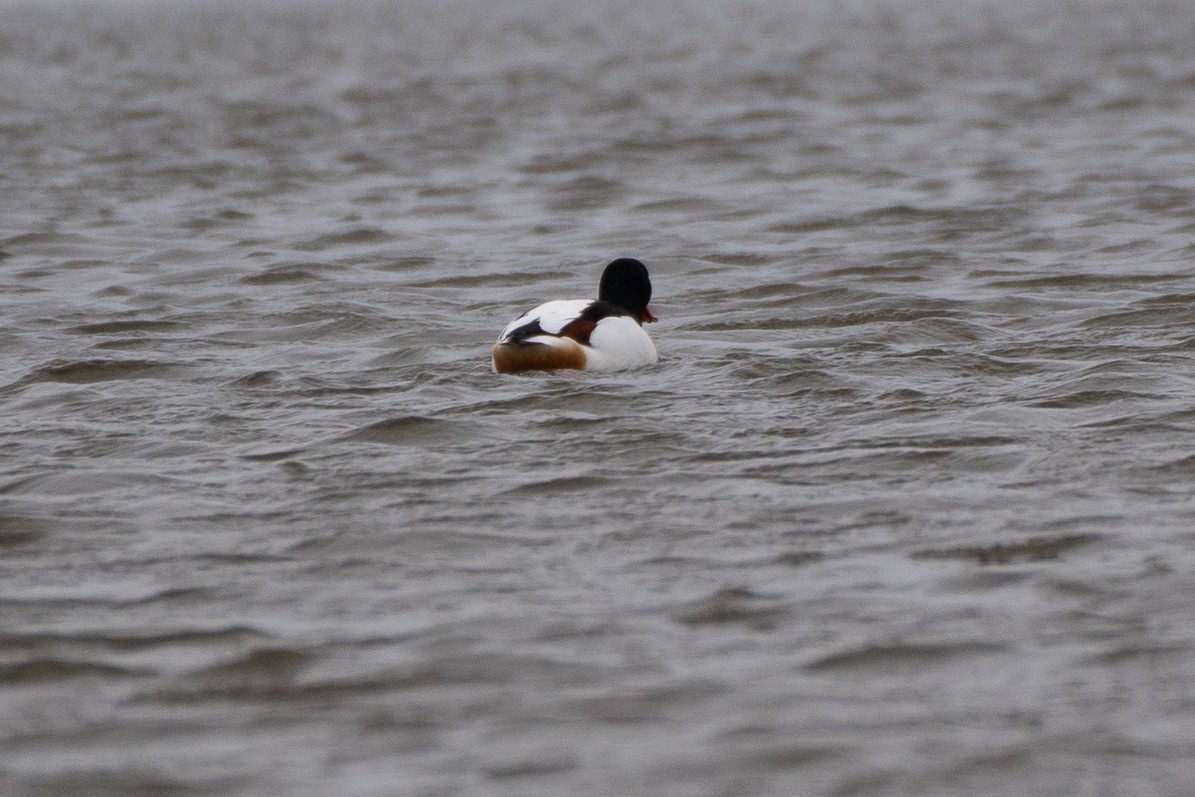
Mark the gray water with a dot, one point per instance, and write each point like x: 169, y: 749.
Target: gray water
x: 906, y: 508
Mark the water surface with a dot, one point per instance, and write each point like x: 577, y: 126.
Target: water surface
x: 905, y: 508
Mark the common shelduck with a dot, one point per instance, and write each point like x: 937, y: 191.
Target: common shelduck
x: 583, y: 334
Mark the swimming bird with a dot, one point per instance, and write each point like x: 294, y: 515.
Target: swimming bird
x: 584, y: 334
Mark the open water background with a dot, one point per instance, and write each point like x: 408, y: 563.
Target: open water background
x: 906, y: 508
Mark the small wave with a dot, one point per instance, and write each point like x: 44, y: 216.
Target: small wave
x: 18, y: 530
x: 101, y: 370
x: 257, y: 379
x: 407, y: 430
x: 56, y: 669
x: 357, y: 236
x: 117, y: 642
x: 562, y: 484
x: 41, y: 238
x: 902, y: 655
x: 1089, y: 398
x: 124, y: 327
x: 278, y: 275
x: 735, y: 606
x: 1038, y: 549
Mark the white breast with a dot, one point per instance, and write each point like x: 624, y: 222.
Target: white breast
x: 619, y: 342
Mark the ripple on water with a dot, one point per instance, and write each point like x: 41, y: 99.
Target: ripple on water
x: 897, y: 656
x: 17, y: 531
x: 407, y: 430
x: 128, y: 326
x: 103, y: 370
x: 1029, y: 550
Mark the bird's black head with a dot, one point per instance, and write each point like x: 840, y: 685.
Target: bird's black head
x: 625, y: 283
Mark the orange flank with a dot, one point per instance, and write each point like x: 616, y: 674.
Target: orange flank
x: 514, y: 358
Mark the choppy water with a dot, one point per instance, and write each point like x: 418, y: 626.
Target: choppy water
x: 906, y: 508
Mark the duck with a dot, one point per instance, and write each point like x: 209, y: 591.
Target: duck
x: 605, y: 334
